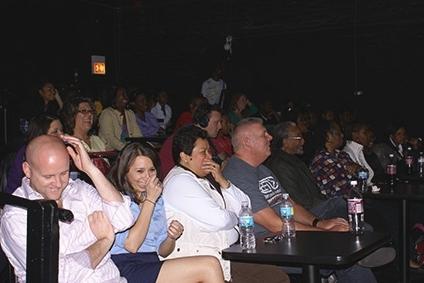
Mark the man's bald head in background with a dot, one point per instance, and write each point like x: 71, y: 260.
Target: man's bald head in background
x: 47, y: 166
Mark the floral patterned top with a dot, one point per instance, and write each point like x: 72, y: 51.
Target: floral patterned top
x: 330, y: 172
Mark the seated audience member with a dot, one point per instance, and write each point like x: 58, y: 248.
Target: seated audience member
x: 222, y: 142
x: 267, y: 113
x: 135, y: 251
x: 207, y: 204
x: 394, y: 142
x: 332, y: 168
x: 146, y: 121
x: 251, y: 143
x: 186, y: 117
x: 162, y: 111
x: 79, y: 119
x: 42, y: 124
x: 48, y: 100
x: 116, y: 122
x: 361, y: 138
x: 240, y: 107
x: 295, y: 176
x: 99, y: 212
x: 304, y: 123
x: 206, y: 117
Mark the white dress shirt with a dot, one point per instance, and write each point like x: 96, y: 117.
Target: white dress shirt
x: 356, y: 153
x: 74, y: 263
x: 163, y: 118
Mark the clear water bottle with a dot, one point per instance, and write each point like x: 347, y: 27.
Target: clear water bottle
x: 391, y: 170
x: 246, y: 225
x: 355, y: 209
x: 409, y: 161
x: 420, y: 165
x: 287, y: 215
x: 363, y: 179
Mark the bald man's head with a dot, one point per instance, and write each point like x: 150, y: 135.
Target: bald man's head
x: 47, y: 166
x: 251, y: 141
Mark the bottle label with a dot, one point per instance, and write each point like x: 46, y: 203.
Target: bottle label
x: 363, y: 175
x: 409, y: 160
x: 286, y: 212
x: 246, y: 221
x: 391, y: 169
x: 355, y: 206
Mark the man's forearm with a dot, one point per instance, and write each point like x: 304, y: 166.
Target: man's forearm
x: 98, y: 250
x: 105, y: 188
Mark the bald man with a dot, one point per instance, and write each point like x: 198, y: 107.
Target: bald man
x: 99, y: 211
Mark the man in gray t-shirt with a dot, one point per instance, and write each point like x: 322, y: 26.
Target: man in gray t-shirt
x: 269, y: 193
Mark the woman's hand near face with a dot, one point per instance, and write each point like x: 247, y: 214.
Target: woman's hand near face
x: 153, y: 188
x: 214, y: 169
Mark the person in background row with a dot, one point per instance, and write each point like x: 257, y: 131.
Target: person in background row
x: 206, y: 117
x: 240, y: 107
x: 116, y: 122
x: 207, y: 204
x: 79, y: 119
x: 395, y: 140
x: 146, y: 121
x: 162, y: 111
x: 136, y: 251
x: 222, y: 142
x: 99, y: 211
x: 186, y: 117
x: 331, y: 167
x: 50, y: 101
x: 42, y: 124
x: 213, y: 89
x: 360, y: 139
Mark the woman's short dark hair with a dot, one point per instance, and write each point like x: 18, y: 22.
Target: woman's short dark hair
x: 39, y: 125
x: 121, y: 167
x: 185, y: 139
x: 70, y: 111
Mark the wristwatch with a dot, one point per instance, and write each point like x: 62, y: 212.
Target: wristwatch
x: 315, y: 222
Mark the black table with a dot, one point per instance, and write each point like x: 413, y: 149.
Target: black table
x: 404, y: 193
x: 311, y: 250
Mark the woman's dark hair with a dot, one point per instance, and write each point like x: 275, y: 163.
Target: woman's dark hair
x: 39, y: 125
x: 70, y: 111
x: 184, y: 140
x: 121, y: 167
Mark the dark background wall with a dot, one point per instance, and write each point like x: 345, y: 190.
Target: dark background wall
x: 310, y: 51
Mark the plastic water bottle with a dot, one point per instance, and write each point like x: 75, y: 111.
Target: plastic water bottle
x: 420, y: 163
x: 362, y: 179
x: 287, y: 215
x: 246, y: 225
x: 355, y: 209
x: 391, y: 170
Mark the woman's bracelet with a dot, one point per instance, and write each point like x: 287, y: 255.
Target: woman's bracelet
x: 152, y: 202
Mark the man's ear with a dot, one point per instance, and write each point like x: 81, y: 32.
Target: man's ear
x: 27, y: 169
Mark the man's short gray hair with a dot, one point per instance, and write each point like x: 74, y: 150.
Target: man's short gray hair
x: 239, y: 130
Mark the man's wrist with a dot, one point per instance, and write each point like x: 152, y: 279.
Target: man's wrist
x: 315, y: 222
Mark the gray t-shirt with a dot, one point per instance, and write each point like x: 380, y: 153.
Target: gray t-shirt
x: 259, y: 183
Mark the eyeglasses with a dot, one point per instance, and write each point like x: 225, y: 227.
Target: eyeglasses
x: 296, y: 138
x: 86, y: 111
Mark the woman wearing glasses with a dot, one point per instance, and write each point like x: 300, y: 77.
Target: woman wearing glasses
x: 79, y: 119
